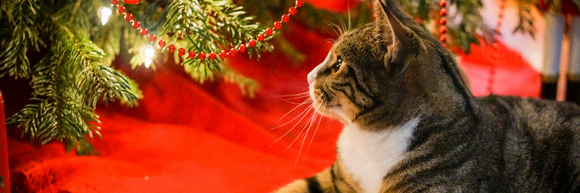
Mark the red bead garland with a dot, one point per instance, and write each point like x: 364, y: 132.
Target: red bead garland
x: 191, y: 54
x: 261, y: 37
x: 443, y: 30
x: 242, y: 48
x: 144, y: 31
x: 443, y: 22
x: 495, y: 47
x: 121, y: 9
x: 223, y: 54
x: 136, y: 24
x: 299, y: 3
x: 285, y: 18
x: 277, y: 25
x: 269, y: 31
x: 129, y: 17
x: 443, y: 38
x: 212, y: 55
x: 292, y: 10
x: 162, y: 43
x: 443, y: 12
x: 201, y: 55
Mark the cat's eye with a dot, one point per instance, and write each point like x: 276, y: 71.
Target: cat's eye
x: 337, y: 64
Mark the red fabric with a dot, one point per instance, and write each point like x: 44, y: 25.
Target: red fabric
x: 511, y: 74
x: 4, y: 169
x: 187, y: 137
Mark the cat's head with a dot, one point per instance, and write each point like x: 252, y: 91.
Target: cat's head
x: 386, y: 73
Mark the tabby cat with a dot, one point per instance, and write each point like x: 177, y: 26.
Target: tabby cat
x: 411, y: 124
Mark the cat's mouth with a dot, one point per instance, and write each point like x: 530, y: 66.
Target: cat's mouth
x: 325, y: 106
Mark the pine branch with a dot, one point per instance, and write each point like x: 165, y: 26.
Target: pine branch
x: 525, y: 17
x: 22, y: 18
x: 68, y: 82
x: 55, y: 111
x: 210, y: 26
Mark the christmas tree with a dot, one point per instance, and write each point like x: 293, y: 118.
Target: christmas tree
x: 77, y: 40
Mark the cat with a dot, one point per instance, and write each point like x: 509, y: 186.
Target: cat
x: 412, y: 125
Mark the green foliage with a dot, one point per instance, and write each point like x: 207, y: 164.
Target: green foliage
x: 70, y: 77
x: 462, y: 26
x: 321, y: 20
x: 525, y: 20
x: 20, y: 16
x: 211, y: 26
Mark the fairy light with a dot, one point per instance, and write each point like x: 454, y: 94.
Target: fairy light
x: 148, y: 52
x: 147, y: 62
x: 104, y: 13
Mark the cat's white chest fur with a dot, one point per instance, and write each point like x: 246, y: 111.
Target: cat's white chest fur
x: 369, y: 156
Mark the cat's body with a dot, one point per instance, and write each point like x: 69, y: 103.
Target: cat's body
x: 411, y: 124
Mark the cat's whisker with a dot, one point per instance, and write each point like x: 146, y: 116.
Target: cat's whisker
x: 330, y: 41
x: 342, y: 24
x: 307, y: 93
x: 290, y: 98
x: 349, y: 23
x: 334, y: 28
x: 307, y: 101
x: 288, y: 122
x: 306, y: 128
x: 295, y: 103
x: 309, y: 120
x: 320, y: 110
x: 304, y: 113
x: 301, y: 131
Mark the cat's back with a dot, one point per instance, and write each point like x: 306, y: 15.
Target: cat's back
x: 541, y: 116
x: 540, y: 143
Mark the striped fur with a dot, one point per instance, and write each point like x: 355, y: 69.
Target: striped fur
x: 412, y: 125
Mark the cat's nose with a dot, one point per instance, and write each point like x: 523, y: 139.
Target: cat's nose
x: 312, y: 75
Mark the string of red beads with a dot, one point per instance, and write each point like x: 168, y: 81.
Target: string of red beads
x: 443, y: 22
x: 495, y: 47
x: 212, y: 55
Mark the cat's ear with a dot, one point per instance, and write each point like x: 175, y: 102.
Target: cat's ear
x: 399, y: 39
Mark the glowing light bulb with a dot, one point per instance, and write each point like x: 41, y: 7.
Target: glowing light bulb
x: 105, y: 12
x: 147, y: 62
x: 149, y: 51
